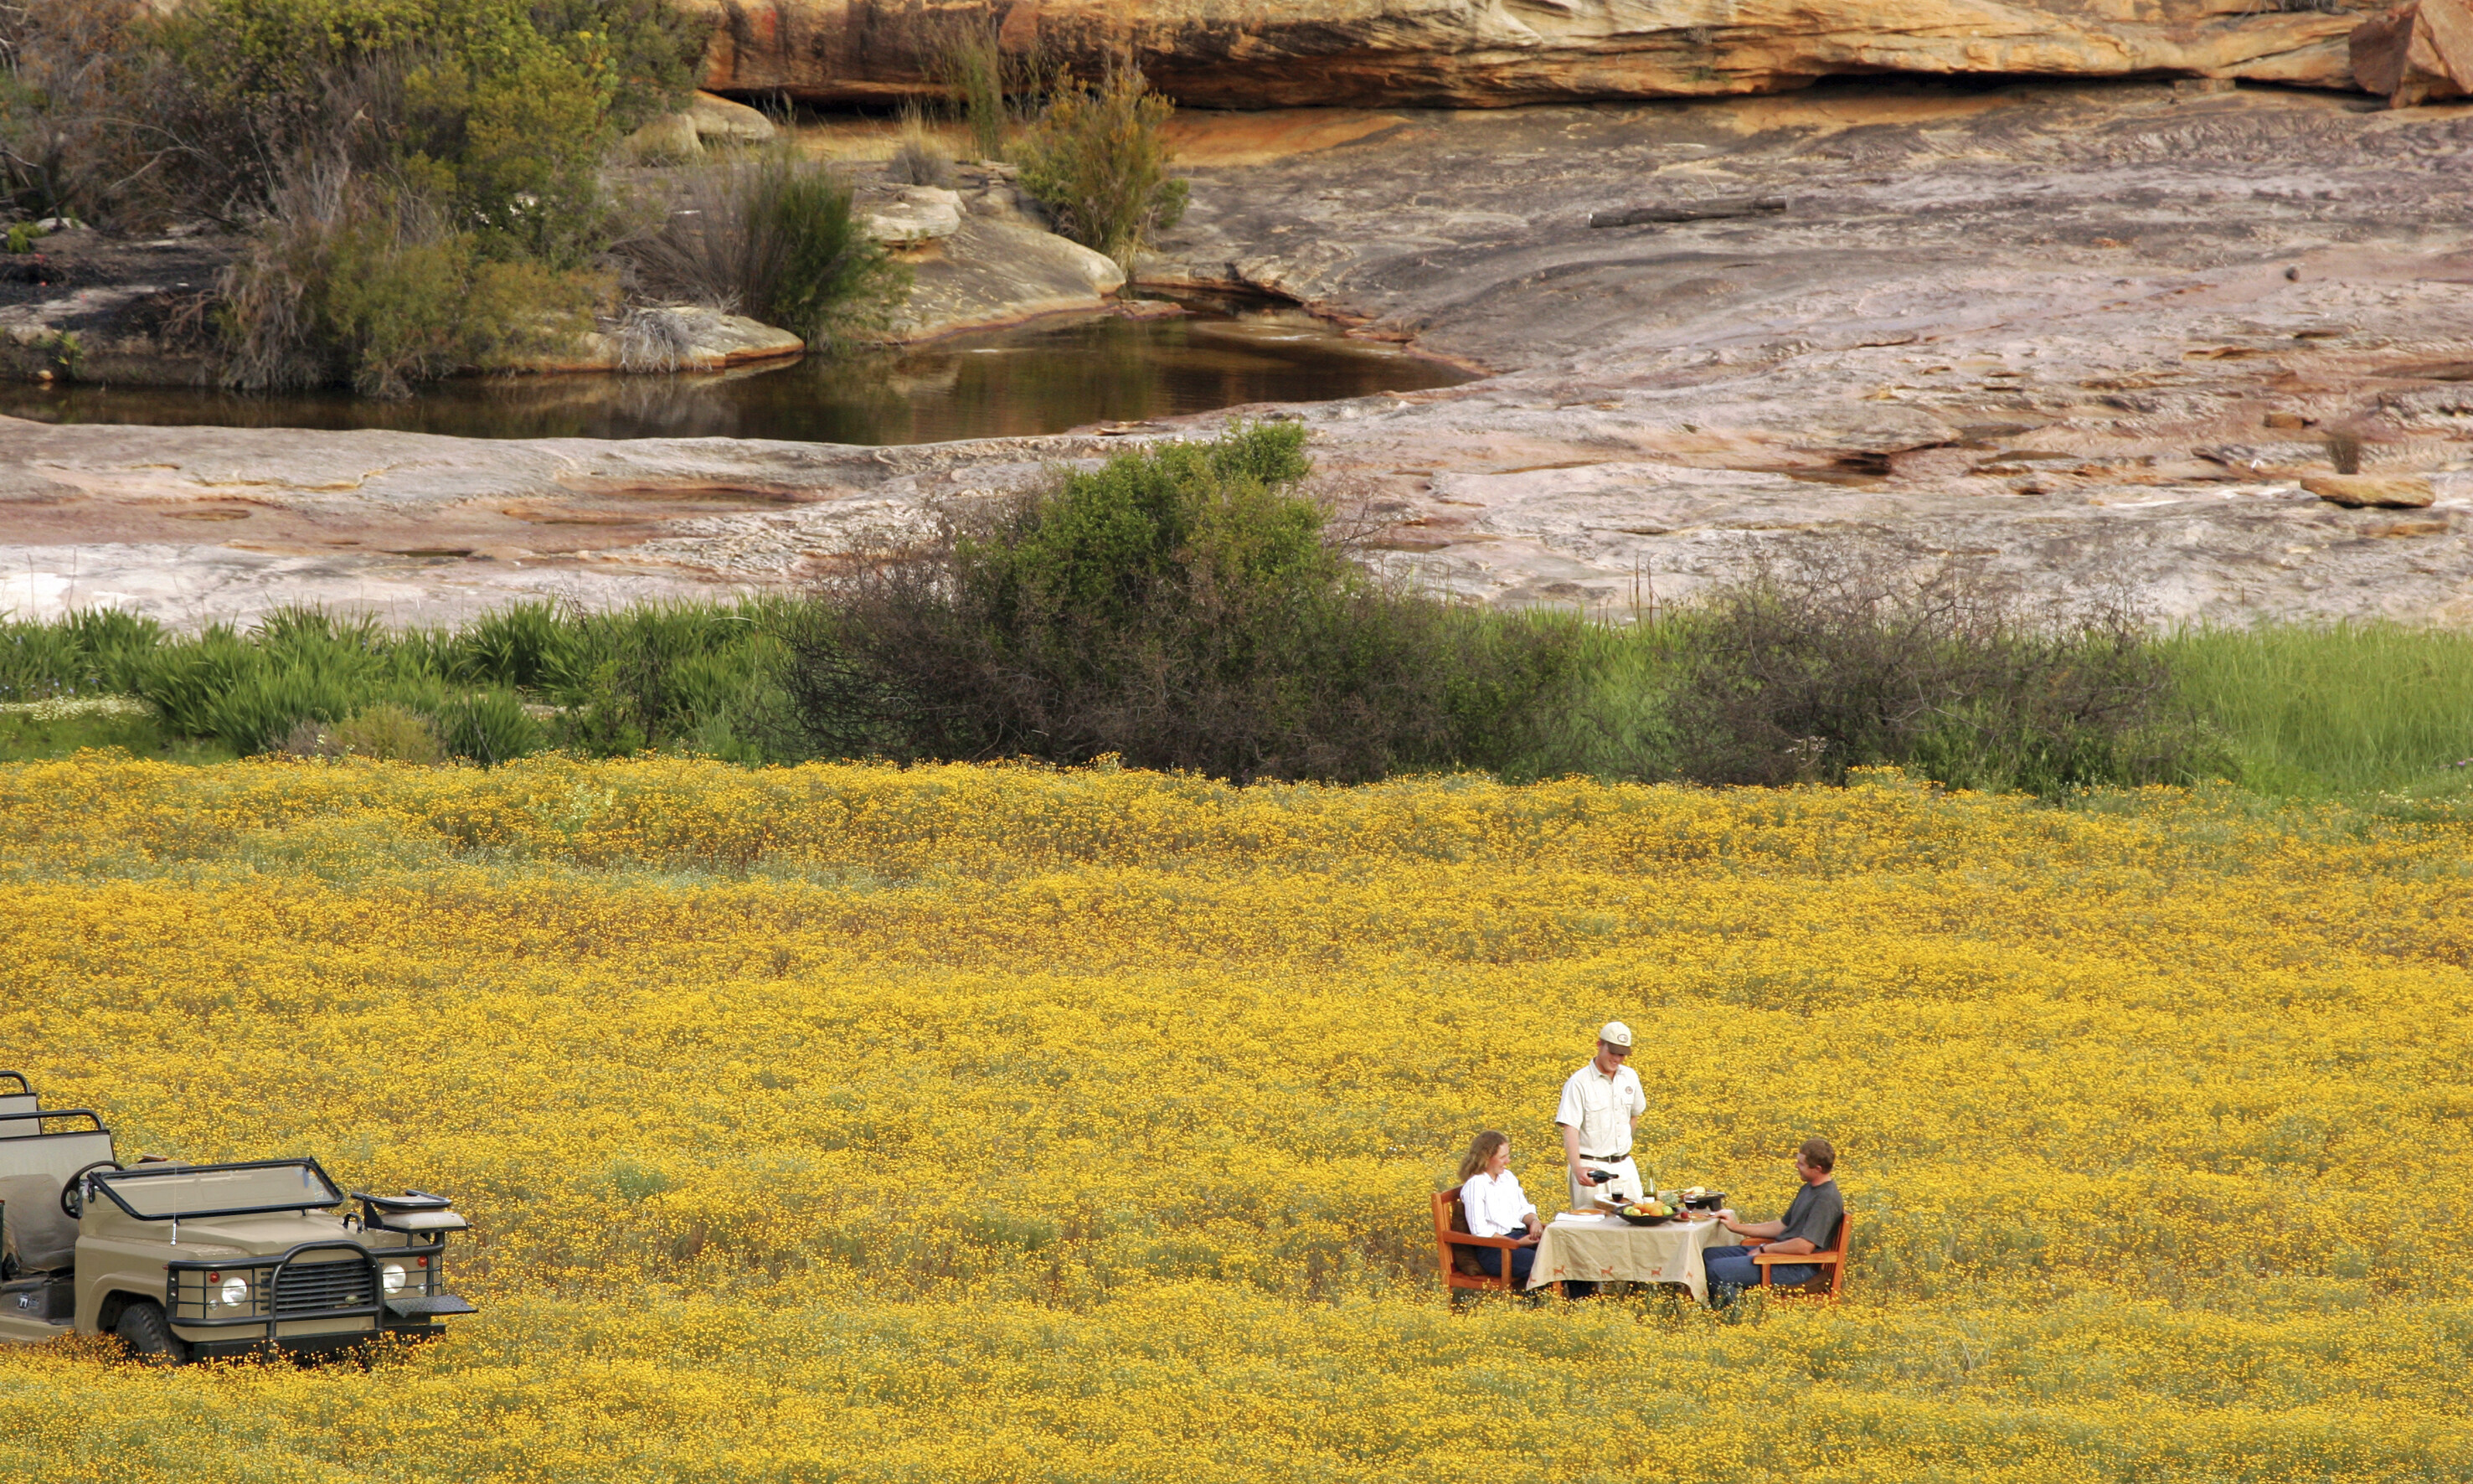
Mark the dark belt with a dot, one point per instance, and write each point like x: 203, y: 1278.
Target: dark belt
x: 1605, y: 1159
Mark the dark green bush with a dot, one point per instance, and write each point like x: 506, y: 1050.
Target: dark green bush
x: 524, y: 645
x: 187, y: 680
x: 489, y: 727
x: 1182, y: 608
x: 422, y: 174
x: 1868, y: 658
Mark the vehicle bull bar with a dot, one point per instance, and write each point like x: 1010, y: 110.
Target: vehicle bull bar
x: 189, y: 1302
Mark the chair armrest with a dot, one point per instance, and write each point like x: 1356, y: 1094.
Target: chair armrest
x: 1766, y: 1258
x: 1464, y: 1239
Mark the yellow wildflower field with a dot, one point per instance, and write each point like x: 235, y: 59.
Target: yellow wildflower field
x: 853, y: 1123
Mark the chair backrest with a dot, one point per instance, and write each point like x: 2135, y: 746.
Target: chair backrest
x: 1845, y: 1230
x: 32, y: 1169
x: 1446, y: 1206
x: 16, y: 1096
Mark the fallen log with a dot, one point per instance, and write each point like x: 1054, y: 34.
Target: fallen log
x: 1715, y: 209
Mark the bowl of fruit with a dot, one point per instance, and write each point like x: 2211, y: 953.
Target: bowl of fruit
x: 1646, y: 1213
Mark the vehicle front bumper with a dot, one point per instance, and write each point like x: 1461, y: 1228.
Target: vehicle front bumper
x: 330, y: 1342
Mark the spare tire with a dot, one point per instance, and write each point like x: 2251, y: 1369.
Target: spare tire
x: 149, y: 1336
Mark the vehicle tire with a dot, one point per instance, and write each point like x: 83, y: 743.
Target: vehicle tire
x: 148, y: 1337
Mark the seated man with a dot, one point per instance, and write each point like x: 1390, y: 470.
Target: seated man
x: 1809, y: 1224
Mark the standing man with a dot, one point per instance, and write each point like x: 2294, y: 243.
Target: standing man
x: 1601, y: 1105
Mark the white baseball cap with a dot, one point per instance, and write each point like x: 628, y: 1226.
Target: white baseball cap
x: 1616, y: 1033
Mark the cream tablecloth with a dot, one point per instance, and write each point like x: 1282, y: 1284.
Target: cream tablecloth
x: 1606, y: 1249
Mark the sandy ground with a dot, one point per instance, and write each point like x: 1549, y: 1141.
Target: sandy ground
x: 2091, y: 337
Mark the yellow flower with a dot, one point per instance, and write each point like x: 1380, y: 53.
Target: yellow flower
x: 995, y: 1123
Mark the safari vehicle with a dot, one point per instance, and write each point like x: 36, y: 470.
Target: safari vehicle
x: 185, y: 1261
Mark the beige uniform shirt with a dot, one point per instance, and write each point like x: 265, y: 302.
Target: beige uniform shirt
x: 1602, y: 1109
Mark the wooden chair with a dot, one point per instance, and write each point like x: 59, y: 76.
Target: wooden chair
x: 1450, y: 1231
x: 1834, y: 1259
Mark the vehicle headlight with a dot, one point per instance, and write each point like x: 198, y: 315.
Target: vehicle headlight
x: 232, y: 1292
x: 392, y: 1276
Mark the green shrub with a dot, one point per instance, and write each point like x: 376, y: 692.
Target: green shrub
x: 1182, y: 608
x: 424, y: 173
x: 187, y: 680
x: 490, y: 726
x: 524, y: 645
x: 364, y: 287
x: 775, y: 239
x: 1861, y: 658
x: 89, y: 651
x: 644, y: 54
x: 386, y: 731
x: 1100, y: 159
x: 265, y: 702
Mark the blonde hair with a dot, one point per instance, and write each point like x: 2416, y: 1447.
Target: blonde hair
x: 1481, y: 1150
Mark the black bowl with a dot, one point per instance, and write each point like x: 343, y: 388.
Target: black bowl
x: 1644, y: 1221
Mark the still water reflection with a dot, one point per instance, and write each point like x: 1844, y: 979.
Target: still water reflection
x: 1040, y: 378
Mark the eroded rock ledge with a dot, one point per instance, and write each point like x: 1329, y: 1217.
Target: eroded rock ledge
x: 2097, y: 339
x: 1493, y: 53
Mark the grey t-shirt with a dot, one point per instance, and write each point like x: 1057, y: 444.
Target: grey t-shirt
x: 1813, y: 1215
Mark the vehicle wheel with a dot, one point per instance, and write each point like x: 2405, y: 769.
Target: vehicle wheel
x: 148, y: 1337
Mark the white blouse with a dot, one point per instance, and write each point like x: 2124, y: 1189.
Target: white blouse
x: 1495, y: 1204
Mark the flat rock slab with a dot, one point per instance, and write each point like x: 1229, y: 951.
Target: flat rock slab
x: 660, y: 341
x: 2364, y: 492
x: 1001, y: 270
x: 1989, y: 327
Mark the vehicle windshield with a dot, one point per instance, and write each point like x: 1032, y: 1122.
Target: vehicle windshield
x: 155, y: 1192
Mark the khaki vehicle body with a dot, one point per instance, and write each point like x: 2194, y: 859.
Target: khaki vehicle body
x: 193, y: 1260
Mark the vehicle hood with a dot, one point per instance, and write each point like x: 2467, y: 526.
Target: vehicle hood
x: 262, y: 1235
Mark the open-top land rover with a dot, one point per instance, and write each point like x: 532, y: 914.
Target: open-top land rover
x: 185, y: 1261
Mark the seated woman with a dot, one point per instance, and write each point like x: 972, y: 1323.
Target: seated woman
x: 1496, y: 1207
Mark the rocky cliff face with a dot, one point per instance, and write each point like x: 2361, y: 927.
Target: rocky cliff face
x: 1493, y: 53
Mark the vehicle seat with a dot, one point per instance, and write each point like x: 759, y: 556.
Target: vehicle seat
x: 17, y: 1096
x: 34, y: 1231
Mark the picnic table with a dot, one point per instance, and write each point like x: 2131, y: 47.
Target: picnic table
x: 1600, y: 1249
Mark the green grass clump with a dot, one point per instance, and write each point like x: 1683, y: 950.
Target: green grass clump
x: 2331, y: 709
x: 701, y: 678
x: 32, y: 731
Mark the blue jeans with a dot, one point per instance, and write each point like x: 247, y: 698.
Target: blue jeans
x: 1731, y: 1269
x: 1523, y: 1258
